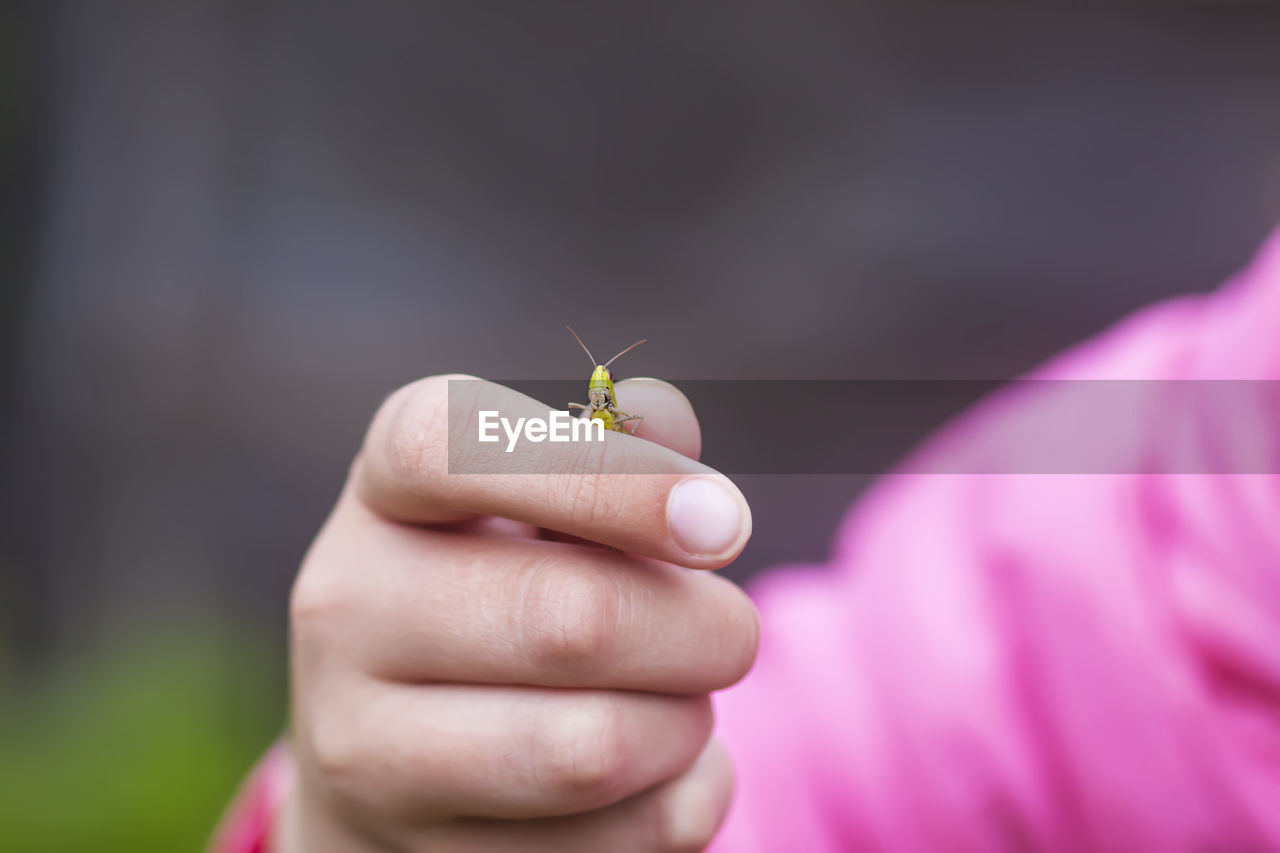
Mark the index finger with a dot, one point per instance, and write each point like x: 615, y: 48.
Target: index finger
x: 623, y: 491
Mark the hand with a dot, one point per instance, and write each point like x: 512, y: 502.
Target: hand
x: 471, y: 671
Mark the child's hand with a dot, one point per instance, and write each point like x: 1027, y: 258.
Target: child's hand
x: 460, y: 684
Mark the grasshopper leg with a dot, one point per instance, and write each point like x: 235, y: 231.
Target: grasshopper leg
x: 621, y: 417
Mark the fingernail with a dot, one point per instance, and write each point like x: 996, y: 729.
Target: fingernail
x: 704, y: 517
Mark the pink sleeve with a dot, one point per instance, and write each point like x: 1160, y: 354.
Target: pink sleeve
x: 246, y: 827
x: 1035, y: 661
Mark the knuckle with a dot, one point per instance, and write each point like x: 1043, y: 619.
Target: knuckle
x: 590, y: 500
x: 414, y: 429
x: 337, y: 754
x: 356, y: 756
x: 583, y: 754
x: 588, y: 459
x: 315, y: 605
x: 570, y: 618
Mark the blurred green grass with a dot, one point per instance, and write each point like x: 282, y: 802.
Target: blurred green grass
x: 141, y: 748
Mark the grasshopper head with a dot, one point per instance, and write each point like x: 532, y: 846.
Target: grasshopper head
x: 600, y: 388
x: 601, y: 384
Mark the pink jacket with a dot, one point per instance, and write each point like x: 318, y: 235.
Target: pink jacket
x: 1027, y: 660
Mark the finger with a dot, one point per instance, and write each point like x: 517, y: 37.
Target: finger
x: 681, y: 815
x: 631, y: 494
x: 511, y: 611
x: 668, y: 420
x: 424, y: 754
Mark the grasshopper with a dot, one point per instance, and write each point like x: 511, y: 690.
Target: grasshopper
x: 602, y: 402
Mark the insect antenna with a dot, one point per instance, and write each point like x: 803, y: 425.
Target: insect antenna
x: 584, y: 346
x: 624, y: 352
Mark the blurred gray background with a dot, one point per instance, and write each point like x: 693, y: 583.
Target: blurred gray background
x: 234, y: 227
